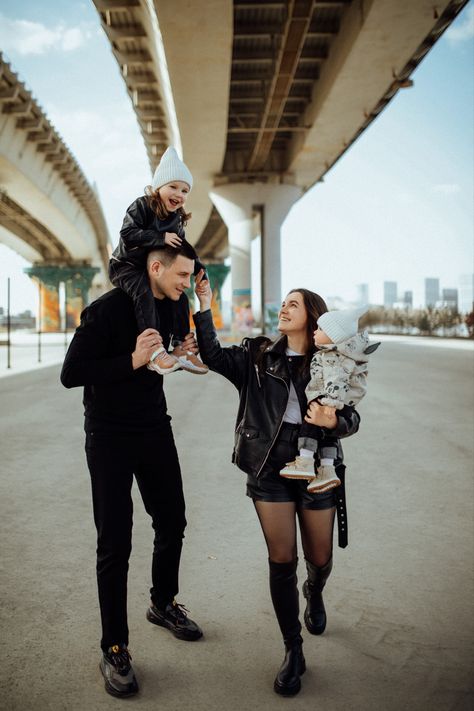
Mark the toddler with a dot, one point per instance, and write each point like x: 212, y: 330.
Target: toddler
x: 338, y: 379
x: 153, y: 221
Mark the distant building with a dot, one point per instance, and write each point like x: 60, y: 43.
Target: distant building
x: 24, y: 320
x: 408, y: 299
x: 449, y: 298
x: 431, y: 292
x: 362, y: 294
x: 389, y: 293
x: 466, y: 293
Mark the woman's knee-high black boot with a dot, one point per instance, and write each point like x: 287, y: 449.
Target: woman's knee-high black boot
x: 315, y: 613
x: 284, y: 594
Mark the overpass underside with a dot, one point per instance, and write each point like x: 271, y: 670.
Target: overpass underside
x: 290, y: 84
x: 49, y: 214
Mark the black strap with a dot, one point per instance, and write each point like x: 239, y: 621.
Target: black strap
x: 341, y: 509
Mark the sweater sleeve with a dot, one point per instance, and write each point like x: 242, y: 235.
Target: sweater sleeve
x: 87, y: 360
x: 135, y: 230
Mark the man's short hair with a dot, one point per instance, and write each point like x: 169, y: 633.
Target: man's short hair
x: 168, y: 254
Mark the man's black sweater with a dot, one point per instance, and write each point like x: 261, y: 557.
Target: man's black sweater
x: 116, y: 397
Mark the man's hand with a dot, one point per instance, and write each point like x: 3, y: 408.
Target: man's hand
x: 203, y: 291
x: 147, y: 342
x: 322, y: 415
x: 189, y: 344
x: 172, y: 239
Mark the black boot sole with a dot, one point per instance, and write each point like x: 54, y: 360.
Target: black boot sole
x: 289, y: 690
x: 178, y: 633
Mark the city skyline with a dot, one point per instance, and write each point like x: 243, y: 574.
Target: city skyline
x: 396, y: 206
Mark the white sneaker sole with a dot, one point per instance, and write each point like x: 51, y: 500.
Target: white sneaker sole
x: 297, y: 475
x: 163, y: 371
x: 192, y: 368
x: 327, y: 486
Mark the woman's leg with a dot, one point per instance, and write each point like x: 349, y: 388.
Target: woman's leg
x: 316, y: 535
x: 278, y: 522
x: 316, y: 528
x: 279, y: 528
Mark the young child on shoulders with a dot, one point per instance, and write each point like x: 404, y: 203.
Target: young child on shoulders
x: 152, y: 221
x: 338, y: 379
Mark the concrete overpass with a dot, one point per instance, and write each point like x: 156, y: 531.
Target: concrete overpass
x: 262, y: 98
x: 49, y: 214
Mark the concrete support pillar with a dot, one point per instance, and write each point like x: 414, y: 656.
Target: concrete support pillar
x: 77, y: 280
x: 276, y: 204
x: 237, y: 203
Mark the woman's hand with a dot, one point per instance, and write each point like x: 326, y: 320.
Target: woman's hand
x: 190, y: 344
x: 322, y: 415
x: 203, y: 291
x: 172, y: 239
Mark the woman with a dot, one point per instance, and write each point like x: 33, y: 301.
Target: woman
x: 271, y: 379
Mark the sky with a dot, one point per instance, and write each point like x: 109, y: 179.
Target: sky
x: 397, y: 206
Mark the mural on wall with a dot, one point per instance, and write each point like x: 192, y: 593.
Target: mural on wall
x: 271, y: 317
x: 77, y: 280
x: 50, y: 318
x: 217, y: 274
x: 74, y: 305
x: 242, y: 316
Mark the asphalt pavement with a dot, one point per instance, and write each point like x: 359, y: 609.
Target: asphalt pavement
x: 400, y: 600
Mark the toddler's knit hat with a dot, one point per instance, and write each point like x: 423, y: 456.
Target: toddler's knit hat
x: 341, y: 325
x: 171, y: 168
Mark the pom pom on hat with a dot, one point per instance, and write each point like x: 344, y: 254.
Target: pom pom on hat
x: 170, y: 168
x: 341, y: 325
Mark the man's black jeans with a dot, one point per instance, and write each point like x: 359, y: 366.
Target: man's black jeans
x: 113, y: 459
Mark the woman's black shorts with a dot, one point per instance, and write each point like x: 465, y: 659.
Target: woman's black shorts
x: 270, y: 486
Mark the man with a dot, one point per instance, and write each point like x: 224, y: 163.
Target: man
x: 128, y: 433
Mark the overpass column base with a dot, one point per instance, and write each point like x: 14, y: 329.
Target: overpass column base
x: 48, y: 279
x: 77, y: 280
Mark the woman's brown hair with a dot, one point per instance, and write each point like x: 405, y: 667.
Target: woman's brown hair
x: 315, y: 306
x: 156, y: 204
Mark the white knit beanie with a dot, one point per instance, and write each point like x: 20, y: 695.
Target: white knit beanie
x: 171, y: 168
x: 341, y: 325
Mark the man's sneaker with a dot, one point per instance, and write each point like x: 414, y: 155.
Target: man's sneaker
x: 174, y: 617
x: 325, y: 479
x: 188, y: 361
x: 163, y: 362
x: 301, y: 468
x: 118, y: 672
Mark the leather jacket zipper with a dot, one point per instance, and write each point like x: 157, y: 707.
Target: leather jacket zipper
x: 258, y: 377
x: 279, y: 426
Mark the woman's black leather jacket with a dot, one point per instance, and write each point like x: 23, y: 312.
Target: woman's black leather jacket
x: 259, y: 370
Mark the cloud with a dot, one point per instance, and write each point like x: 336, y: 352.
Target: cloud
x: 28, y: 38
x: 464, y: 28
x: 447, y: 188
